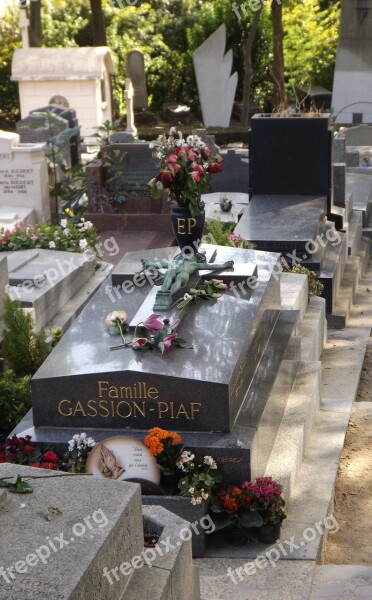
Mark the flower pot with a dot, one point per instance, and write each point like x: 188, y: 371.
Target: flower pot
x: 188, y: 230
x: 268, y: 534
x: 237, y: 536
x: 226, y: 205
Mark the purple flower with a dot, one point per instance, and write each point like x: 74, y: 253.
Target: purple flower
x: 138, y: 343
x: 167, y: 341
x: 153, y: 323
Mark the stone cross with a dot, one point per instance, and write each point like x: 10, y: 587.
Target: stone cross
x: 24, y: 23
x: 129, y: 95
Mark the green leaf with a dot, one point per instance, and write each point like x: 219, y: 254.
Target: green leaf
x: 251, y: 519
x: 18, y: 486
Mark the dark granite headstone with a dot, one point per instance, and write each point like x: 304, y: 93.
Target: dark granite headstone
x: 286, y: 153
x: 128, y: 168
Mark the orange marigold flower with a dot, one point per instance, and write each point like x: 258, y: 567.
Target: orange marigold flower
x: 154, y: 445
x: 176, y: 438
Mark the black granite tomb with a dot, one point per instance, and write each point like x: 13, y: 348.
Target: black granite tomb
x: 226, y: 395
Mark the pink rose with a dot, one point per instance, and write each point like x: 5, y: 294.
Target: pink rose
x: 195, y: 175
x: 138, y: 343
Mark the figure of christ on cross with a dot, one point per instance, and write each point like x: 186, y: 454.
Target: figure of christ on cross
x: 178, y: 271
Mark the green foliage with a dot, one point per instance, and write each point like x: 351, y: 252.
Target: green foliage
x: 71, y: 235
x: 24, y: 349
x: 9, y: 41
x: 221, y: 234
x: 15, y: 400
x: 310, y: 43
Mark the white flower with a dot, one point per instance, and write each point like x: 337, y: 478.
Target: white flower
x: 83, y: 243
x: 90, y: 442
x: 88, y: 224
x: 63, y: 223
x: 52, y: 245
x: 71, y: 445
x: 208, y: 460
x: 116, y: 314
x: 197, y: 500
x: 151, y: 145
x: 82, y: 219
x: 83, y: 436
x: 66, y: 232
x: 191, y: 490
x: 172, y: 130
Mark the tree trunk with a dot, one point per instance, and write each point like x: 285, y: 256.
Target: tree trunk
x: 98, y: 23
x: 279, y: 93
x: 248, y: 68
x: 35, y: 31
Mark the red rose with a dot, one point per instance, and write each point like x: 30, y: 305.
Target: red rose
x: 11, y: 456
x: 47, y: 465
x: 50, y: 456
x: 28, y: 450
x: 166, y: 178
x: 36, y: 464
x: 215, y: 168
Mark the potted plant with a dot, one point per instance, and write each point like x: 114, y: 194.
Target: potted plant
x: 252, y: 511
x: 185, y: 169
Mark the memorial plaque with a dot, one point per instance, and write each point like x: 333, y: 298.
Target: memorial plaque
x: 122, y: 458
x: 128, y: 168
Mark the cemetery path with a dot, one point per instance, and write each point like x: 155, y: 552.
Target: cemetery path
x: 352, y: 544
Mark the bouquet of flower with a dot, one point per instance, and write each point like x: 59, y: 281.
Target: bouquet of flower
x: 196, y: 477
x: 200, y: 476
x: 185, y: 168
x: 166, y: 446
x: 267, y: 499
x: 79, y: 449
x: 154, y: 332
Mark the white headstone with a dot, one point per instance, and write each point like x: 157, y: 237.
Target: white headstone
x: 128, y: 95
x: 136, y: 72
x: 216, y: 85
x: 24, y: 176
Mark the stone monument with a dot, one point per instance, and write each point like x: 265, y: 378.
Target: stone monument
x: 129, y: 95
x: 24, y: 175
x: 136, y: 72
x: 351, y: 100
x: 216, y: 85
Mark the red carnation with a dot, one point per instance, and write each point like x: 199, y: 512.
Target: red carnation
x: 50, y: 456
x: 215, y: 168
x: 166, y: 178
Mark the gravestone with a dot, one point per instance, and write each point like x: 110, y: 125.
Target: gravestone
x: 74, y: 135
x: 136, y: 72
x: 129, y: 97
x: 226, y: 394
x: 216, y: 85
x: 341, y: 155
x: 24, y: 175
x: 358, y: 136
x: 45, y: 280
x: 119, y: 196
x: 97, y: 532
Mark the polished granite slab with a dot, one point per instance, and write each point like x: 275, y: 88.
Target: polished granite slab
x: 84, y: 384
x: 244, y: 451
x: 282, y: 223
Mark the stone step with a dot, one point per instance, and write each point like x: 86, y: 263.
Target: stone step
x: 294, y: 292
x: 295, y: 429
x: 332, y: 269
x: 355, y: 232
x: 313, y: 330
x: 341, y: 581
x: 346, y: 294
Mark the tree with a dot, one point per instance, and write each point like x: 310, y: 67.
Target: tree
x: 248, y: 67
x: 279, y: 92
x: 98, y: 23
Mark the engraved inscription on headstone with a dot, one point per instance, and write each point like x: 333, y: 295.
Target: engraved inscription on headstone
x: 128, y: 168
